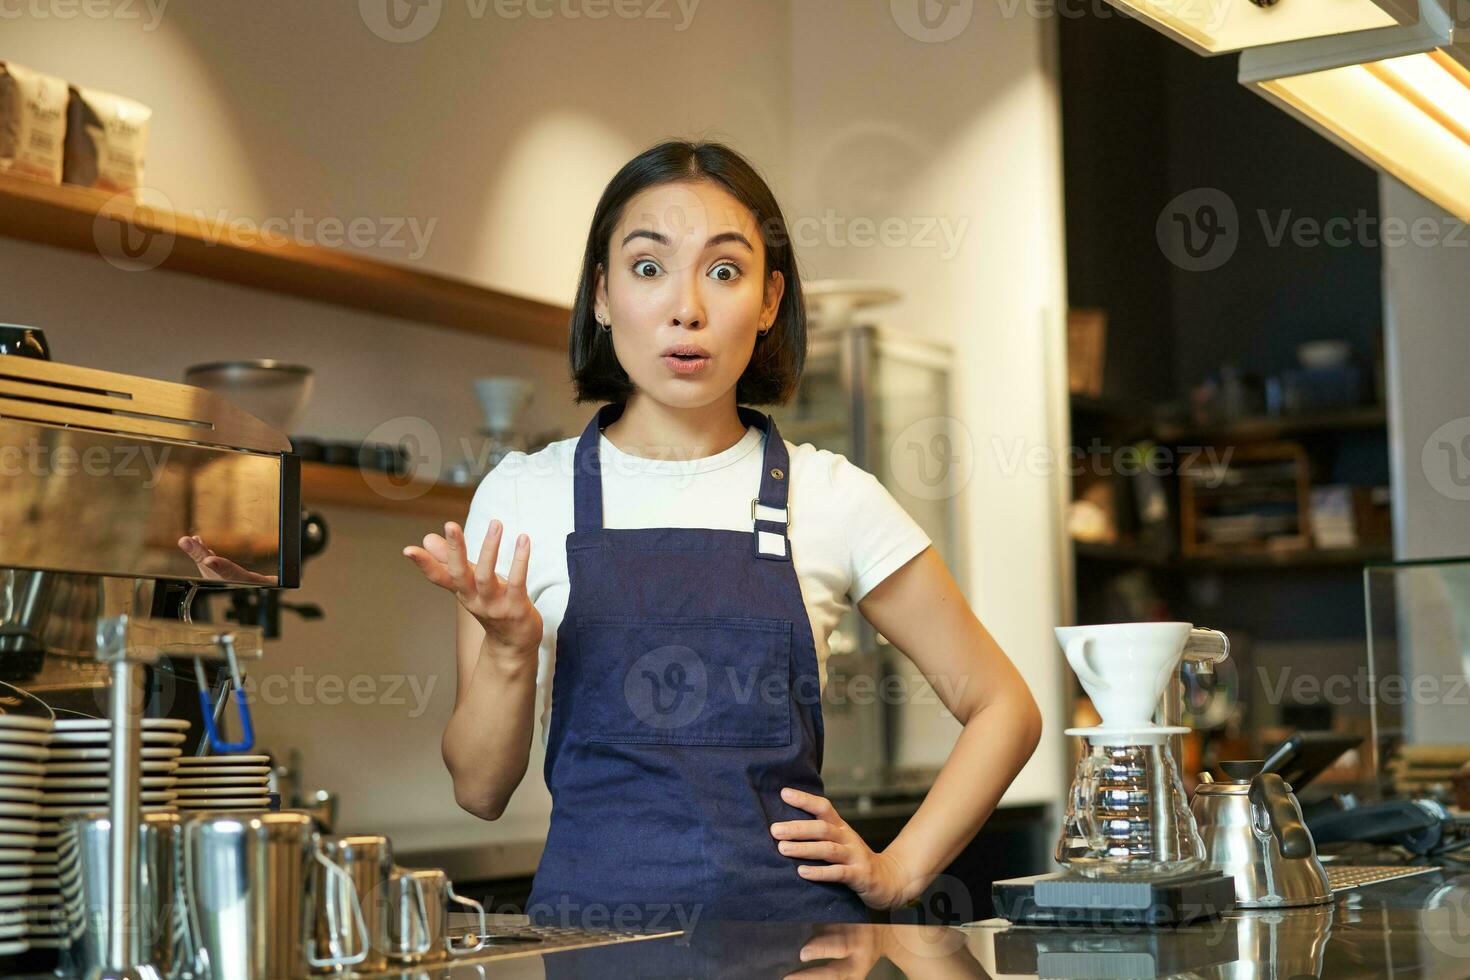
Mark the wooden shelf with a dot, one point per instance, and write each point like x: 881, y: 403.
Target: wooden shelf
x: 326, y: 485
x: 1296, y: 558
x: 1137, y: 417
x: 1271, y: 427
x: 1130, y: 554
x: 1113, y: 408
x: 77, y: 218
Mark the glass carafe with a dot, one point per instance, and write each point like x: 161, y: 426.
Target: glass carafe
x: 1127, y: 814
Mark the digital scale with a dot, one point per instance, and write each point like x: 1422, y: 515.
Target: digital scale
x: 1063, y: 899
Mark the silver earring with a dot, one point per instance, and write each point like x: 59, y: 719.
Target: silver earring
x: 606, y: 327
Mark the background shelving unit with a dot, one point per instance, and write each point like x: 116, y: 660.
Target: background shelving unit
x: 1170, y: 135
x: 74, y: 218
x: 326, y: 484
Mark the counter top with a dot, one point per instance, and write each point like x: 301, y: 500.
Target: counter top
x: 478, y: 861
x: 1409, y: 927
x: 1415, y: 927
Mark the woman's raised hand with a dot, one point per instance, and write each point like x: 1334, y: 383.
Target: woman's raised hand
x: 500, y: 604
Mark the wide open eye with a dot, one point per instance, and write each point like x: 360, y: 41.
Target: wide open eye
x: 727, y: 264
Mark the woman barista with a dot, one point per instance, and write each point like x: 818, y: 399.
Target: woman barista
x: 689, y: 566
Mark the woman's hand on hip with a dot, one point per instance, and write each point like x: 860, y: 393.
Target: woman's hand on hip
x: 500, y: 604
x: 877, y: 877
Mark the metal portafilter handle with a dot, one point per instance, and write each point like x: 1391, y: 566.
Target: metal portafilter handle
x: 212, y: 710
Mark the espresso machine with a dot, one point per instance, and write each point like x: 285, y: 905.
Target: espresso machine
x: 117, y: 493
x: 105, y: 476
x: 1131, y: 848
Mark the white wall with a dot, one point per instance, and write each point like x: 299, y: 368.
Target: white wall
x: 503, y: 132
x: 1427, y: 348
x: 957, y: 132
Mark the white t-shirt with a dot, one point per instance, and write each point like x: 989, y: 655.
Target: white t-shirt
x: 847, y: 532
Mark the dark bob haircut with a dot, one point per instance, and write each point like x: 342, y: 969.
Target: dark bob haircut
x: 775, y: 365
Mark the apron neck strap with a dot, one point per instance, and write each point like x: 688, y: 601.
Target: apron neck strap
x: 587, y: 467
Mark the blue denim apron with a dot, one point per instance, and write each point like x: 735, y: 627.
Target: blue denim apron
x: 685, y: 697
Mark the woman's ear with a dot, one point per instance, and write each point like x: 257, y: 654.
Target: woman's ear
x: 599, y: 295
x: 775, y: 288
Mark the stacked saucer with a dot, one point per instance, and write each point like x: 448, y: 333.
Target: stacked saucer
x: 25, y: 734
x: 223, y: 782
x: 76, y: 773
x: 75, y: 781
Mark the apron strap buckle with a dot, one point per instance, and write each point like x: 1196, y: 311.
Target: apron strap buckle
x: 760, y: 512
x: 771, y: 525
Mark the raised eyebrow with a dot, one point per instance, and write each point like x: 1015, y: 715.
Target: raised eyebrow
x: 644, y: 233
x: 662, y: 239
x: 730, y: 236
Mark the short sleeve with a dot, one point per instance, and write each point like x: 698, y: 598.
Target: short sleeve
x: 881, y: 536
x: 495, y: 498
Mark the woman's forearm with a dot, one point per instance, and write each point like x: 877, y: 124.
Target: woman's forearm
x: 487, y: 742
x: 921, y: 611
x: 993, y: 746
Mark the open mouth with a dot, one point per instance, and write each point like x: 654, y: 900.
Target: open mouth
x: 686, y: 362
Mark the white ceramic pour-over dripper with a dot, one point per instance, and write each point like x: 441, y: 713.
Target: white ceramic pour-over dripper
x: 503, y: 399
x: 1124, y: 667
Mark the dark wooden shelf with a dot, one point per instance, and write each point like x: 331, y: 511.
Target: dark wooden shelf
x: 74, y: 218
x: 325, y: 484
x: 1117, y: 409
x: 1278, y: 427
x: 1294, y: 558
x: 1132, y: 554
x: 1142, y: 418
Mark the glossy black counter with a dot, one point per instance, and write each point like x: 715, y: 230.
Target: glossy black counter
x: 1406, y: 928
x: 1412, y: 927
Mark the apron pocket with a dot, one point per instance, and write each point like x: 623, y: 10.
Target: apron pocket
x: 719, y: 680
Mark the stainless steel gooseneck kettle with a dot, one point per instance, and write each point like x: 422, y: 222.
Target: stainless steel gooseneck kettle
x: 1253, y: 830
